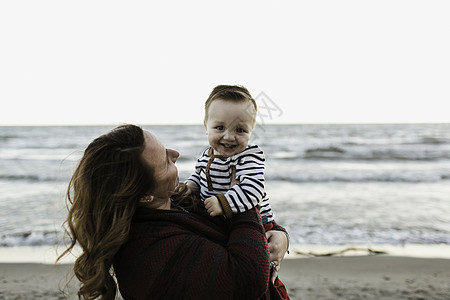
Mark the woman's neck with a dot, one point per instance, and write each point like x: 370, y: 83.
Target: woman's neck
x: 166, y: 205
x: 160, y: 204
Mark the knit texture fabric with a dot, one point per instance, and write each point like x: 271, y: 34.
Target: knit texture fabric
x: 173, y: 254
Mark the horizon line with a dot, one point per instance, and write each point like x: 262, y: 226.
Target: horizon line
x: 200, y: 124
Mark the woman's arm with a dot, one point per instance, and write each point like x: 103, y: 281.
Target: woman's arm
x: 238, y: 270
x: 247, y: 239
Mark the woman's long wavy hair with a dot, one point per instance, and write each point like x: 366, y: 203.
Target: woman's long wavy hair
x: 102, y: 197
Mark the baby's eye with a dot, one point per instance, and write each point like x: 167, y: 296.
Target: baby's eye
x: 219, y: 127
x: 240, y: 130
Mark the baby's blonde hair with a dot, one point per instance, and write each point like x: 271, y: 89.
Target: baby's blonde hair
x: 234, y: 93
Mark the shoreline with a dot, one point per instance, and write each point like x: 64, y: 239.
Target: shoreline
x: 47, y: 254
x: 409, y: 250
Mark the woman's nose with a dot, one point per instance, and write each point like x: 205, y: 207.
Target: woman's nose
x: 174, y: 155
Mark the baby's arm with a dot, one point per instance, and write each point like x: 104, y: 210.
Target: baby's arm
x: 247, y: 183
x: 193, y: 182
x: 192, y: 186
x: 249, y: 191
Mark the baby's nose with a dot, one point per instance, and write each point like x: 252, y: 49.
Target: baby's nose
x: 228, y: 136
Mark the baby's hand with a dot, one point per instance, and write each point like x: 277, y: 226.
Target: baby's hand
x: 213, y: 207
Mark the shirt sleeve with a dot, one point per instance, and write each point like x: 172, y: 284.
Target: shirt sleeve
x: 241, y: 268
x: 195, y: 177
x: 249, y: 192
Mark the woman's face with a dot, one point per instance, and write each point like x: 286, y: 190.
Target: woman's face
x: 162, y: 160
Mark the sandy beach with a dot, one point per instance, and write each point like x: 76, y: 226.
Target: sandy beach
x: 354, y: 277
x: 370, y: 277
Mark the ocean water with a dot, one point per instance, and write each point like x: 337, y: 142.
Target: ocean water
x: 328, y: 184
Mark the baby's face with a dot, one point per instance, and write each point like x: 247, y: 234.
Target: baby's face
x: 229, y: 126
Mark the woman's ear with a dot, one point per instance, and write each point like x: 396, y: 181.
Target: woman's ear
x: 146, y: 199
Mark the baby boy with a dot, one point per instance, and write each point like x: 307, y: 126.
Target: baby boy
x: 230, y: 116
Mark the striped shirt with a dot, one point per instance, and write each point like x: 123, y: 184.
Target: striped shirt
x: 213, y: 177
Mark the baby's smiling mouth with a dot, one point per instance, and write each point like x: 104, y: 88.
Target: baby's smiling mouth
x: 229, y: 146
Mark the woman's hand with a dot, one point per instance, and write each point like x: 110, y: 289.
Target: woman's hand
x: 278, y: 245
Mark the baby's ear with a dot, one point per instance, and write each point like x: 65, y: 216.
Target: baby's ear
x: 206, y: 128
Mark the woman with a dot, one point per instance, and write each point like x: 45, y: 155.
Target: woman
x: 132, y: 217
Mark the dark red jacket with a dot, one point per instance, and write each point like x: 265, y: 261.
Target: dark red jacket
x: 174, y: 254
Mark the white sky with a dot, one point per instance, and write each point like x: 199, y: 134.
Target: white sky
x: 145, y: 62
